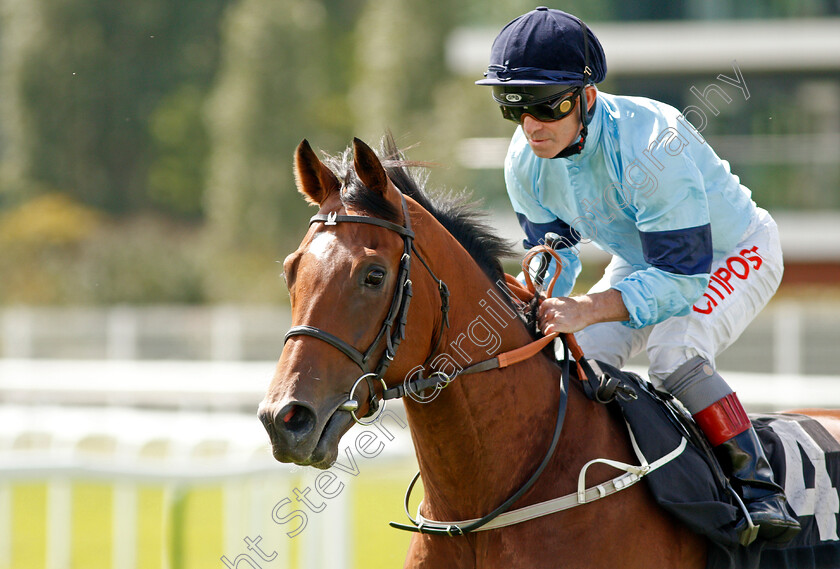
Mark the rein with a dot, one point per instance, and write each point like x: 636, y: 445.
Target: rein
x: 454, y: 529
x: 438, y: 380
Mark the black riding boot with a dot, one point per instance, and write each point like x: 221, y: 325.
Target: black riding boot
x: 736, y: 443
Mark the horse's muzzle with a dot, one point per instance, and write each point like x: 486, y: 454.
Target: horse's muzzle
x: 298, y: 436
x: 291, y: 430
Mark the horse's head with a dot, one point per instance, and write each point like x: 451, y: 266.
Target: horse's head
x: 346, y: 280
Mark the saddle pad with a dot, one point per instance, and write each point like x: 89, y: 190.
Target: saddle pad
x: 806, y: 461
x: 804, y: 457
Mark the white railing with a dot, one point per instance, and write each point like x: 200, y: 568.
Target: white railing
x: 205, y: 385
x: 788, y: 337
x: 240, y: 386
x: 170, y: 425
x: 157, y: 332
x: 177, y: 452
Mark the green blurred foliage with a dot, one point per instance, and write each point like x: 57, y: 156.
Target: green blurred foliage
x: 56, y: 250
x: 146, y: 147
x: 140, y: 260
x: 81, y: 81
x: 176, y: 173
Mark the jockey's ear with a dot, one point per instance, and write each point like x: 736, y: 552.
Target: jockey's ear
x: 312, y: 178
x: 369, y: 168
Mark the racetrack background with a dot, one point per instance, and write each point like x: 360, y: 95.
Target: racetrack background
x: 158, y: 462
x: 147, y: 197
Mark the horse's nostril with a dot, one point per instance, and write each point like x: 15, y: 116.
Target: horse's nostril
x: 289, y: 415
x: 297, y: 419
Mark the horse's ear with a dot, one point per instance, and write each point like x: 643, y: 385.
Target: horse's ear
x: 369, y: 168
x: 313, y: 179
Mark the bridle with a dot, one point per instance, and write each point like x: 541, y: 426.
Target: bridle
x: 392, y: 330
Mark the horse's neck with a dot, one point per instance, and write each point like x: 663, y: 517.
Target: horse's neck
x: 480, y: 439
x: 482, y: 435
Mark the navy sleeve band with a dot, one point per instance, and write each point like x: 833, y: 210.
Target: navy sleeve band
x: 680, y: 251
x: 535, y: 232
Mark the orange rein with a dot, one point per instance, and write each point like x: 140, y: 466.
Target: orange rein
x: 525, y: 294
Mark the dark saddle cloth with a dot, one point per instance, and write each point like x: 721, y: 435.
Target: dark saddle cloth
x: 804, y: 456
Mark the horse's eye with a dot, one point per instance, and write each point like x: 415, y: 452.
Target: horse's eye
x: 375, y: 278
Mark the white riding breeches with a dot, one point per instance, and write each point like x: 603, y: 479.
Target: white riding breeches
x: 742, y: 282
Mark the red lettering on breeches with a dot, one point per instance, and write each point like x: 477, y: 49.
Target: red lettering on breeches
x: 724, y: 279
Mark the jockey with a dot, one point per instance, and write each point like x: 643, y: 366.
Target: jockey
x: 694, y: 260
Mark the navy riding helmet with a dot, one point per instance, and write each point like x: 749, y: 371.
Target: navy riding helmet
x: 540, y: 63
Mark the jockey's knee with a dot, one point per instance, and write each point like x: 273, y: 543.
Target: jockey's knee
x: 696, y: 384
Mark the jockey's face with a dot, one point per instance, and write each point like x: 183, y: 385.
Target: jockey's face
x: 548, y: 139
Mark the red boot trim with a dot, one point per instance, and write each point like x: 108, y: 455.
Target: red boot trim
x: 723, y: 420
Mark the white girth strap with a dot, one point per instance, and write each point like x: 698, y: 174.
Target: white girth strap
x: 632, y: 474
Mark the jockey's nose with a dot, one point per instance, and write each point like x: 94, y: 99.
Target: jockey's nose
x: 530, y: 124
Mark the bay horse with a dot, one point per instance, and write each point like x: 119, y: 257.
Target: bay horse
x: 481, y: 436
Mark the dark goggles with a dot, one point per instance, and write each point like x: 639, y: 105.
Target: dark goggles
x: 544, y: 103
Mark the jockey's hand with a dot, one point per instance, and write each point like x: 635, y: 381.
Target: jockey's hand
x: 570, y: 314
x: 562, y: 314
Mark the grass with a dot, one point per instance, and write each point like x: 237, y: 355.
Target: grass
x: 91, y: 521
x: 378, y: 500
x: 29, y: 526
x: 184, y: 529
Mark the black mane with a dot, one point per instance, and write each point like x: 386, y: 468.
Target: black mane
x: 453, y: 211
